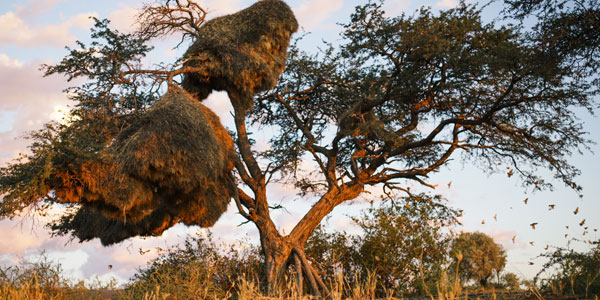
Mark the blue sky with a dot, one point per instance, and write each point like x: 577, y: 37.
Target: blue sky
x: 35, y: 32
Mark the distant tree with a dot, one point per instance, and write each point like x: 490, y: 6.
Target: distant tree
x: 402, y: 243
x: 511, y: 281
x: 399, y: 99
x: 478, y: 257
x: 336, y: 253
x: 572, y: 272
x: 406, y: 243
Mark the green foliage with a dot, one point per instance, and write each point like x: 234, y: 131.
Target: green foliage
x: 487, y: 89
x: 566, y: 27
x: 478, y: 256
x: 198, y: 270
x: 573, y: 272
x: 42, y: 273
x: 403, y: 244
x: 511, y: 281
x: 105, y: 104
x: 399, y: 99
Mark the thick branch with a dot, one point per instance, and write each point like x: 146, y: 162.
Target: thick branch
x: 413, y: 173
x: 299, y: 235
x: 244, y: 146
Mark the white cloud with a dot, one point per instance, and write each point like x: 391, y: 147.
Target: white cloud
x: 36, y: 7
x: 447, y: 3
x: 124, y: 18
x: 312, y: 13
x: 32, y: 99
x: 7, y: 62
x: 14, y: 30
x: 395, y: 7
x: 216, y: 8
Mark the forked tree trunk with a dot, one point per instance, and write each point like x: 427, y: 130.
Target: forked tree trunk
x: 280, y: 255
x: 282, y: 251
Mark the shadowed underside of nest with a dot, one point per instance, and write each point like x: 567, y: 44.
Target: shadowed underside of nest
x: 172, y: 165
x: 243, y: 53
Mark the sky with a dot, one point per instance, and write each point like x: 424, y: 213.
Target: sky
x: 35, y: 32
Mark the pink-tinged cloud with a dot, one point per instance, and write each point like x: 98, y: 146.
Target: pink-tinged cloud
x: 32, y: 99
x: 34, y: 8
x: 18, y: 236
x: 446, y: 3
x: 14, y: 30
x: 395, y: 7
x: 504, y: 238
x: 312, y: 13
x: 124, y: 18
x: 216, y: 8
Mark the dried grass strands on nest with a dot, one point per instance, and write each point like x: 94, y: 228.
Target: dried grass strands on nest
x: 172, y: 165
x: 88, y: 223
x: 244, y: 53
x: 180, y: 147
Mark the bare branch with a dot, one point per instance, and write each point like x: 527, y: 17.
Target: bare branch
x: 171, y: 17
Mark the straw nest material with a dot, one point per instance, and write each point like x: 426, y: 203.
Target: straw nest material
x: 179, y: 147
x: 242, y: 53
x: 88, y: 223
x: 172, y: 165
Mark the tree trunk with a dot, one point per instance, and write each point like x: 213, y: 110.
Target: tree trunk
x: 483, y: 281
x: 280, y: 254
x: 282, y: 251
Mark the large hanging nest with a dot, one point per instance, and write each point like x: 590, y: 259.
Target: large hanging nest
x: 88, y: 223
x: 172, y: 165
x: 179, y: 147
x: 242, y: 53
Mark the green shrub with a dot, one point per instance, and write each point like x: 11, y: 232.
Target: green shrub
x: 403, y: 247
x: 480, y: 257
x: 511, y: 281
x: 197, y: 270
x: 575, y: 273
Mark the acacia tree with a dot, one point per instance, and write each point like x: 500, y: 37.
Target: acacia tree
x: 394, y: 102
x: 477, y: 256
x: 404, y: 246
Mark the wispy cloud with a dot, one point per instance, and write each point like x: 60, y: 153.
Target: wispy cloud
x: 14, y: 30
x: 34, y: 8
x: 505, y: 238
x: 446, y: 3
x: 395, y: 7
x: 30, y: 98
x: 312, y: 13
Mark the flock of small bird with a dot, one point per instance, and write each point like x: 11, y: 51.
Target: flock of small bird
x: 534, y: 224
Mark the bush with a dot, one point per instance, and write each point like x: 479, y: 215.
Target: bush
x: 477, y: 257
x: 200, y: 269
x: 511, y: 281
x: 43, y: 279
x: 575, y: 273
x: 403, y: 246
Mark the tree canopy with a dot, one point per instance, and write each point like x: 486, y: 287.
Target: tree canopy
x: 402, y: 245
x: 477, y: 257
